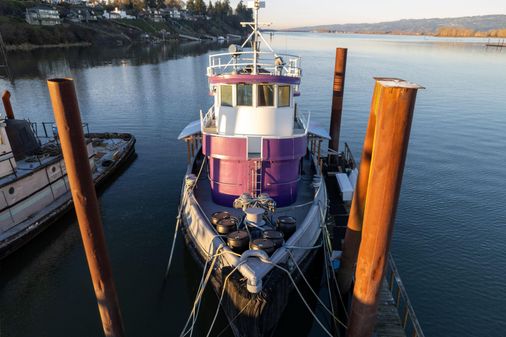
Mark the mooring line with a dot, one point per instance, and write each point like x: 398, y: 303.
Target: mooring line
x: 185, y: 190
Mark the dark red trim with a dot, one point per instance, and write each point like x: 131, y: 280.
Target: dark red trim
x: 249, y: 78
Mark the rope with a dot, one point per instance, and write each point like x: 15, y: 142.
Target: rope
x: 302, y: 298
x: 327, y: 250
x: 183, y: 198
x: 233, y: 319
x: 221, y: 297
x: 327, y: 277
x: 206, y: 275
x: 312, y: 290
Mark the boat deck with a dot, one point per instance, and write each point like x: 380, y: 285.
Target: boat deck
x: 298, y: 210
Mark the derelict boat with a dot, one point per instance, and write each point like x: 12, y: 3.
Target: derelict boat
x: 33, y: 180
x: 253, y: 200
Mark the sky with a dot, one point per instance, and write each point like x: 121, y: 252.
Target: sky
x: 298, y: 13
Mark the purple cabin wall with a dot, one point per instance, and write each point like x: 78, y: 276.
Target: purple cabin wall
x: 281, y: 161
x: 229, y: 167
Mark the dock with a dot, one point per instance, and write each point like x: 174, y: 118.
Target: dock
x: 498, y: 44
x: 396, y: 316
x: 389, y: 322
x: 189, y: 37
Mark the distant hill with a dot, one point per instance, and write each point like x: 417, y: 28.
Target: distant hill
x: 472, y: 24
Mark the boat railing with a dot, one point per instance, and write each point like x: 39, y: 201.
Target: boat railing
x: 208, y: 121
x: 348, y: 157
x: 47, y: 131
x: 267, y: 62
x: 304, y: 119
x: 406, y: 312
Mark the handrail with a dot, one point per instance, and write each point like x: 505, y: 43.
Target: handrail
x: 51, y: 133
x: 348, y: 156
x: 409, y: 321
x: 240, y: 60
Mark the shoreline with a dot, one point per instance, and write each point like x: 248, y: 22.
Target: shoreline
x: 30, y: 46
x: 389, y: 34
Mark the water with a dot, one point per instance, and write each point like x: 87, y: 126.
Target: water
x: 449, y: 238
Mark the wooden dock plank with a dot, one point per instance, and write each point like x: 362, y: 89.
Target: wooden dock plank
x: 389, y: 322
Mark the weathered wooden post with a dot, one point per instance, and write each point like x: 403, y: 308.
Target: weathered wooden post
x: 356, y: 217
x: 337, y: 97
x: 6, y: 99
x: 70, y: 132
x: 395, y: 105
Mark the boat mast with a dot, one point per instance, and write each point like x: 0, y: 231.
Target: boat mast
x: 255, y: 37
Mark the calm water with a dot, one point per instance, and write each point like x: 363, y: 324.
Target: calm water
x: 450, y: 236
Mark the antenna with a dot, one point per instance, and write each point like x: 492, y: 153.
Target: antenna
x: 256, y: 5
x: 256, y: 36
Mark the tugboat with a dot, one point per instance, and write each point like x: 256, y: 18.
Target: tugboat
x: 34, y: 186
x: 253, y: 201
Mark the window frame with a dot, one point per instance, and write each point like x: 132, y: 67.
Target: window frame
x: 253, y: 92
x: 278, y: 95
x: 274, y: 94
x: 232, y: 95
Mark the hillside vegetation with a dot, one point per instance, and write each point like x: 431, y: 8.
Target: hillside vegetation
x: 479, y: 26
x: 213, y: 20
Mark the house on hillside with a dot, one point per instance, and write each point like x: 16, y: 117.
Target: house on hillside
x: 154, y: 15
x: 117, y: 14
x: 81, y: 15
x: 44, y: 16
x: 171, y: 13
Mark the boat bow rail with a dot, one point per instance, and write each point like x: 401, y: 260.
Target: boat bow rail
x: 241, y: 62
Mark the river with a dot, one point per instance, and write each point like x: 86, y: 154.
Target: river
x: 450, y: 233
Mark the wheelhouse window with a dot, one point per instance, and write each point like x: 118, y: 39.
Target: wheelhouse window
x: 226, y: 95
x: 265, y: 95
x: 245, y: 94
x: 283, y: 95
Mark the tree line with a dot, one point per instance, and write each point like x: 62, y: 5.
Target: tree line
x: 218, y: 8
x: 467, y: 32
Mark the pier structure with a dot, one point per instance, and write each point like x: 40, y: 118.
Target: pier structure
x: 498, y: 44
x: 362, y: 229
x: 393, y: 104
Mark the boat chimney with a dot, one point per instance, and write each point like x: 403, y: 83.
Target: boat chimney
x: 393, y: 105
x: 70, y: 131
x: 337, y: 98
x: 6, y: 99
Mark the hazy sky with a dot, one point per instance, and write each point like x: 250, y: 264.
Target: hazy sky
x: 295, y: 13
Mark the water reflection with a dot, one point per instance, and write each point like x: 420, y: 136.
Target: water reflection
x: 45, y: 63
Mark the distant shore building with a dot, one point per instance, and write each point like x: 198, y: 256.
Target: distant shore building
x: 81, y: 15
x: 171, y: 13
x: 155, y: 15
x: 117, y: 14
x: 43, y: 16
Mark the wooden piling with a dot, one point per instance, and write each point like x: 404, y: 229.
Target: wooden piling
x: 354, y: 226
x: 337, y: 97
x: 6, y: 99
x: 68, y: 121
x: 395, y: 105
